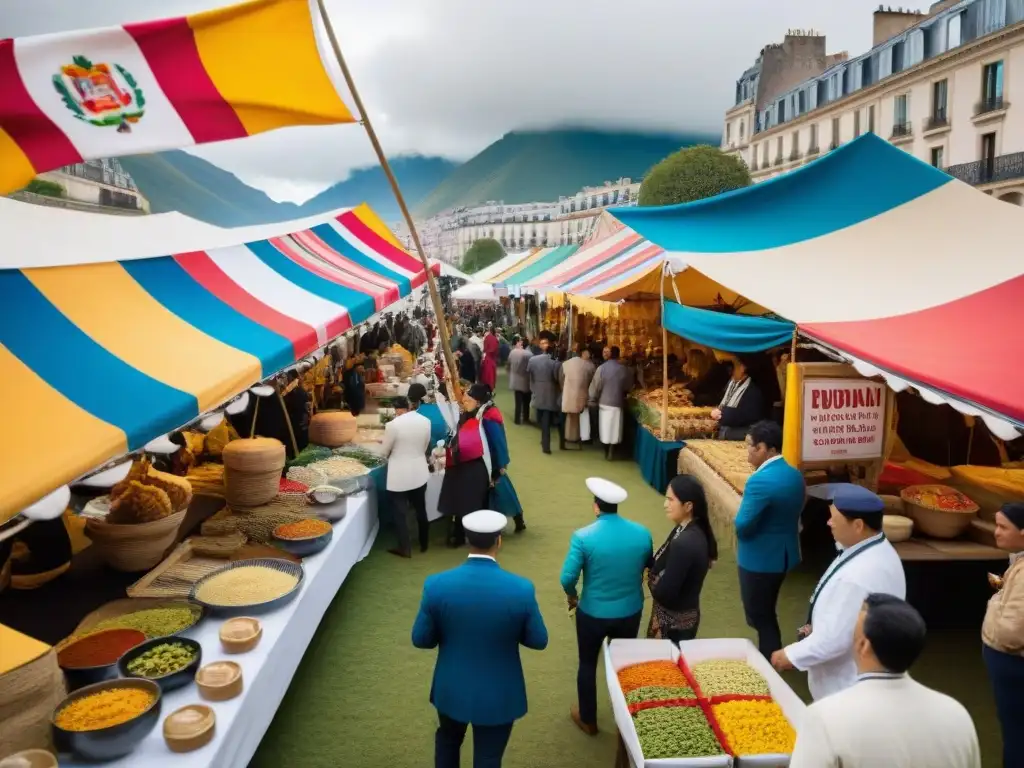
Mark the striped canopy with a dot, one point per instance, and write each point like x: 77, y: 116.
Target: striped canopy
x: 98, y: 358
x: 876, y: 254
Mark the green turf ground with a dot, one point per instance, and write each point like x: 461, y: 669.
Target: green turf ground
x: 360, y: 696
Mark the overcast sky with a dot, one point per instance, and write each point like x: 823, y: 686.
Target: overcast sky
x: 448, y: 77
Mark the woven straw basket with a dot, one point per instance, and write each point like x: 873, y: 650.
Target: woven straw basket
x: 252, y: 471
x: 136, y: 547
x: 333, y: 428
x: 31, y: 693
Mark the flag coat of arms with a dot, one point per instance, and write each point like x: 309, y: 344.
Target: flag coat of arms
x: 168, y: 84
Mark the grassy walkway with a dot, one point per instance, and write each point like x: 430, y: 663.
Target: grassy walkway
x: 360, y: 697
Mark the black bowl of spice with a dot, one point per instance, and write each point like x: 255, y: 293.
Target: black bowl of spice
x: 106, y: 720
x: 170, y: 662
x: 92, y: 657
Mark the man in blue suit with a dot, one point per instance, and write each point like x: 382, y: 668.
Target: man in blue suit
x: 477, y: 616
x: 767, y: 532
x: 612, y: 554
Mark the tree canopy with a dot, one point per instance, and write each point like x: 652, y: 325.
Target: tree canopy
x: 691, y: 174
x: 482, y: 254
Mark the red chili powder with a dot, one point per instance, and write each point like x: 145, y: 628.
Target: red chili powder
x: 99, y: 649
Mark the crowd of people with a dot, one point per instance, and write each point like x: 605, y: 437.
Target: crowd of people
x: 857, y: 644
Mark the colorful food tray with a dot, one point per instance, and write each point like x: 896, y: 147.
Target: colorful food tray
x: 712, y: 703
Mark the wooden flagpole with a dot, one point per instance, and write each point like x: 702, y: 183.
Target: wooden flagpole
x: 435, y: 296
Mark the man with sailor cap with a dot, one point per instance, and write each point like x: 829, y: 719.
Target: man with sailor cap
x: 612, y: 554
x: 477, y: 615
x: 867, y: 564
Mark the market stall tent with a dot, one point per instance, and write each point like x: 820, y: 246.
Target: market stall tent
x: 878, y: 255
x: 475, y: 292
x: 99, y: 357
x: 501, y: 266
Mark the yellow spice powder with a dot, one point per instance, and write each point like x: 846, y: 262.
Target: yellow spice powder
x: 104, y: 709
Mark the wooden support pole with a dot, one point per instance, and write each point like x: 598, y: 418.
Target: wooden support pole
x: 435, y: 296
x: 287, y: 420
x: 664, y: 359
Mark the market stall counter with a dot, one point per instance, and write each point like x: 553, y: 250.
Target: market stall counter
x: 267, y: 670
x: 656, y: 458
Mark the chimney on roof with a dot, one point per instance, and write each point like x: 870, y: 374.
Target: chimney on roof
x: 888, y: 22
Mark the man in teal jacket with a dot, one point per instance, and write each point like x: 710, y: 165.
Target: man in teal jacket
x: 612, y: 554
x: 767, y: 532
x: 477, y: 615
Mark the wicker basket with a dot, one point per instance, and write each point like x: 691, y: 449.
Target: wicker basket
x: 136, y: 547
x: 252, y: 471
x: 897, y: 528
x: 31, y: 693
x: 333, y: 428
x: 937, y: 523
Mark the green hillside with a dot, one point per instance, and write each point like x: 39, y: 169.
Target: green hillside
x: 178, y: 181
x: 527, y: 166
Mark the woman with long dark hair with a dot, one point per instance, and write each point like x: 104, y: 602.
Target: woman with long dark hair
x: 677, y: 573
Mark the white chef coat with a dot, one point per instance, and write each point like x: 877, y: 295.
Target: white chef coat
x: 886, y: 720
x: 827, y: 654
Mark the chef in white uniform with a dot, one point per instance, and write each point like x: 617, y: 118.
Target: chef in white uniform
x: 867, y: 564
x: 887, y: 718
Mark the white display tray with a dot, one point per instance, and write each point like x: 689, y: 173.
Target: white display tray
x: 623, y: 653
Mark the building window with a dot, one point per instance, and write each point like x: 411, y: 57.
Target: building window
x: 728, y: 131
x: 794, y: 151
x: 940, y: 94
x: 780, y: 108
x: 743, y: 128
x: 901, y: 116
x: 856, y: 123
x: 898, y: 54
x: 937, y: 157
x: 812, y: 140
x: 871, y: 119
x: 801, y: 102
x: 778, y: 151
x: 835, y: 132
x: 765, y: 162
x: 988, y: 151
x: 953, y: 30
x: 991, y: 87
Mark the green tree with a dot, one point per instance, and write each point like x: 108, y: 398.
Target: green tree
x: 693, y: 174
x: 45, y: 188
x: 482, y: 254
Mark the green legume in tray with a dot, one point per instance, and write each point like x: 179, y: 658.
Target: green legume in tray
x: 658, y: 693
x: 666, y: 732
x: 723, y: 677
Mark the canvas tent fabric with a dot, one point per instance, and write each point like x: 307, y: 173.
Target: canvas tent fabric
x: 842, y: 246
x: 727, y: 332
x: 100, y: 357
x: 487, y: 274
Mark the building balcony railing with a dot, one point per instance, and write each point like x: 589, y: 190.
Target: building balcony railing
x: 1001, y: 168
x: 990, y: 104
x: 778, y: 160
x: 794, y: 154
x: 901, y: 130
x: 812, y: 150
x: 936, y: 120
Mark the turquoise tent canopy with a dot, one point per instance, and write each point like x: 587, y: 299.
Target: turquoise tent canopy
x: 726, y: 332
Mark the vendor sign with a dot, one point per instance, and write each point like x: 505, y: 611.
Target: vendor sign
x: 842, y: 419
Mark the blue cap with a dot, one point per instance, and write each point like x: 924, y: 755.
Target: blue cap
x: 852, y: 500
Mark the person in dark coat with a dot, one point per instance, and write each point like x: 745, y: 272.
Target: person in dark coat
x: 707, y: 389
x: 741, y: 406
x: 542, y: 371
x: 477, y: 616
x: 355, y: 388
x: 681, y: 564
x: 467, y: 362
x: 467, y: 482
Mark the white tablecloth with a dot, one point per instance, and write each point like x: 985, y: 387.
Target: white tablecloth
x: 287, y: 633
x: 433, y: 495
